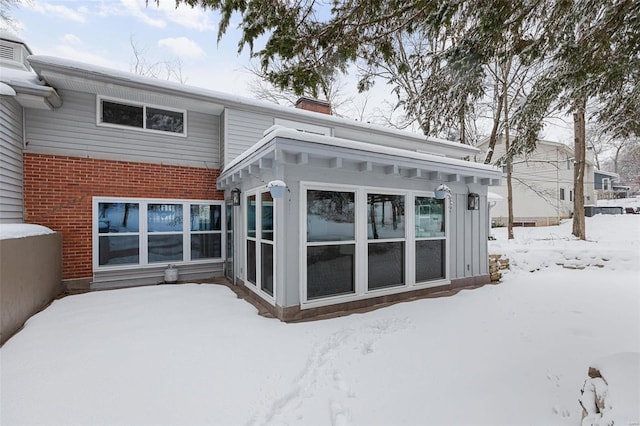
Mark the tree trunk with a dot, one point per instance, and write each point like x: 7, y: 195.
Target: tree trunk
x: 494, y: 130
x: 509, y: 187
x: 509, y: 164
x: 578, y: 171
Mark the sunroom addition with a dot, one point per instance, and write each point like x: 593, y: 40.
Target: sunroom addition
x: 356, y: 223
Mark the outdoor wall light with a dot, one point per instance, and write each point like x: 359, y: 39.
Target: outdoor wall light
x: 277, y: 188
x: 442, y: 191
x: 473, y: 201
x: 235, y: 196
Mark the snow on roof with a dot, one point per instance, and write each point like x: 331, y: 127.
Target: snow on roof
x: 331, y: 141
x: 612, y: 174
x: 22, y: 79
x: 22, y: 230
x: 41, y: 63
x: 492, y: 196
x: 4, y: 35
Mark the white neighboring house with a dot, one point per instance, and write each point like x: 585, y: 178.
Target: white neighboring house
x: 542, y: 184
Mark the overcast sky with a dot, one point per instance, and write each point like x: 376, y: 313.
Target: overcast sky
x: 100, y: 32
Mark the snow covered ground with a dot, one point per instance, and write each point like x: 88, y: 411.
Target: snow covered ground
x: 516, y: 353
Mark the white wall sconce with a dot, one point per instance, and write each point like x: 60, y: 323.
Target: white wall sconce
x: 473, y: 201
x: 442, y: 191
x: 235, y: 196
x: 277, y: 188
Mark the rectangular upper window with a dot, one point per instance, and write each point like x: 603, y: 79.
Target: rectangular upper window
x: 141, y: 116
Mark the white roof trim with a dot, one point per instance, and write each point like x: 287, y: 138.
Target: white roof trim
x: 330, y: 141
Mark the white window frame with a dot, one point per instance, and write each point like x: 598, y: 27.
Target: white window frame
x: 257, y: 287
x: 143, y: 260
x: 361, y: 244
x: 144, y: 106
x: 606, y: 184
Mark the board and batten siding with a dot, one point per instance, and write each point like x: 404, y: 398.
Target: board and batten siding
x: 71, y: 130
x: 242, y: 130
x: 11, y: 168
x: 470, y: 233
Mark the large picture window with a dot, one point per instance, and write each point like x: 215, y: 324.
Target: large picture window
x: 147, y: 232
x: 360, y: 242
x: 331, y: 230
x: 141, y: 116
x: 386, y: 240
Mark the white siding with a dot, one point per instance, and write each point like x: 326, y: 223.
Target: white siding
x: 243, y: 129
x: 11, y: 206
x: 72, y: 130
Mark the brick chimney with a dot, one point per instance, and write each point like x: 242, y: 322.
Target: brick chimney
x: 315, y: 105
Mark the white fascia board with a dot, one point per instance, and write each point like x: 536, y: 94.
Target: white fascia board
x: 329, y: 142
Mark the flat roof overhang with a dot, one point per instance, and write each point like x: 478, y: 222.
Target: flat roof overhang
x: 283, y: 146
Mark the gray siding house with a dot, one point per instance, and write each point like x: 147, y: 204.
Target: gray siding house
x: 305, y: 212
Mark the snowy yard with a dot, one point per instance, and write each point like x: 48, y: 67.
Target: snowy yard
x: 516, y: 353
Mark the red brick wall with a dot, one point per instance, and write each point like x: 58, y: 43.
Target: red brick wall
x: 58, y: 193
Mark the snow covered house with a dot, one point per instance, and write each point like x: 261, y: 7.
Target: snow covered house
x: 304, y: 211
x: 542, y: 184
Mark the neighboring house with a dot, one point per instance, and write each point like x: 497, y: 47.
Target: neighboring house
x: 607, y: 185
x: 141, y: 176
x: 542, y: 184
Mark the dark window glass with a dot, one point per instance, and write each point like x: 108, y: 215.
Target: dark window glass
x: 429, y: 213
x: 165, y: 248
x: 330, y: 216
x: 229, y: 231
x: 251, y: 216
x: 562, y: 193
x: 164, y: 217
x: 122, y: 114
x: 251, y: 261
x: 330, y: 270
x: 385, y: 216
x: 166, y: 121
x: 386, y: 264
x: 118, y: 217
x: 430, y: 260
x: 267, y: 216
x: 118, y: 250
x: 206, y: 217
x: 206, y: 246
x: 266, y: 276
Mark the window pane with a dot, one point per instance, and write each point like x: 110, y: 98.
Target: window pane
x: 206, y: 246
x: 125, y: 115
x: 430, y: 259
x: 167, y: 121
x: 330, y: 216
x: 266, y: 277
x: 251, y: 261
x: 330, y: 270
x: 386, y: 265
x: 267, y: 216
x: 251, y: 216
x: 165, y: 248
x: 206, y: 217
x: 429, y: 217
x: 385, y: 216
x: 118, y: 217
x: 164, y: 217
x: 118, y: 250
